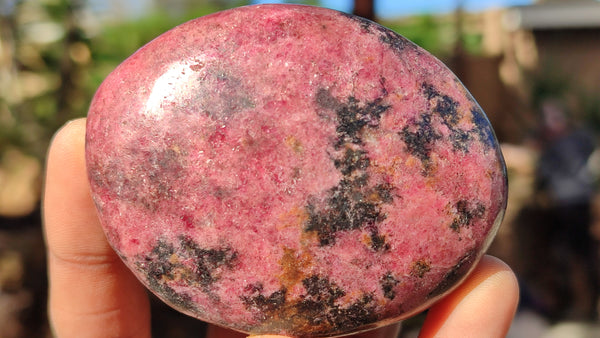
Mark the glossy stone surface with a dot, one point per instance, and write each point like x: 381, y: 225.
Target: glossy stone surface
x: 293, y: 170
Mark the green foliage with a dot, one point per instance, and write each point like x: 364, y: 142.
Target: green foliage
x: 472, y: 42
x: 427, y: 31
x: 40, y: 74
x: 119, y: 40
x: 65, y: 84
x: 438, y: 34
x: 56, y: 9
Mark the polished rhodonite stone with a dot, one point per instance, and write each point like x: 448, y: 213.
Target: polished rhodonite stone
x: 293, y: 170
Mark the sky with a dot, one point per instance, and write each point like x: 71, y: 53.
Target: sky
x: 399, y: 8
x: 383, y: 8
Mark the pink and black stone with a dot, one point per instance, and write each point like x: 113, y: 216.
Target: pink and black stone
x: 293, y: 170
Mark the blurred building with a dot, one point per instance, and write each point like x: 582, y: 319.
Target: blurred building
x: 527, y: 52
x: 566, y: 37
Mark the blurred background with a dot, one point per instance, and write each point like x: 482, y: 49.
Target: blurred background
x: 534, y: 66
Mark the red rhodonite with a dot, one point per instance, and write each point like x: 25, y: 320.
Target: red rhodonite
x: 293, y: 170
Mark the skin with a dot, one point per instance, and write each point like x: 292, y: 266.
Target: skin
x: 92, y: 294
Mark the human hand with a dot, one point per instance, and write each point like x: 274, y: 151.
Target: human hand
x: 93, y: 294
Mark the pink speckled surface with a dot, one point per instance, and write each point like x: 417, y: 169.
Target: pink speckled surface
x: 293, y: 170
